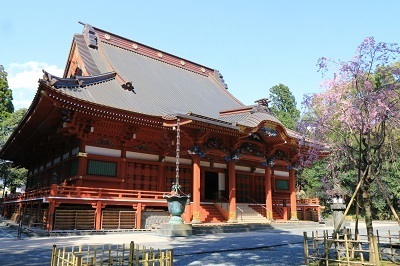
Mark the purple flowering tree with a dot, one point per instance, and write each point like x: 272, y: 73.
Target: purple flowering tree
x: 354, y: 114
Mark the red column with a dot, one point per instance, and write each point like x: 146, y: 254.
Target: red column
x: 123, y: 166
x: 98, y: 215
x: 293, y: 203
x: 196, y: 190
x: 82, y: 161
x: 268, y: 193
x: 50, y: 215
x: 232, y: 192
x: 52, y: 207
x: 139, y: 215
x: 187, y: 214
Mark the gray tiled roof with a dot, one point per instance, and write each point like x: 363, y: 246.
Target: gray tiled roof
x: 159, y: 88
x: 250, y: 119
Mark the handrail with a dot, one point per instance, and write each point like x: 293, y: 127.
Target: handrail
x: 268, y: 213
x: 257, y: 203
x: 227, y: 201
x: 79, y: 192
x: 241, y: 213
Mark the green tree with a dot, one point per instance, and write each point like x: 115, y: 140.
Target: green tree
x: 13, y: 177
x: 283, y: 106
x: 6, y: 105
x: 356, y: 115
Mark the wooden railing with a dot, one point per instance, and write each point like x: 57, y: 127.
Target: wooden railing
x: 308, y: 201
x: 85, y: 192
x: 277, y: 206
x: 124, y: 254
x: 347, y: 249
x: 106, y: 193
x: 34, y: 194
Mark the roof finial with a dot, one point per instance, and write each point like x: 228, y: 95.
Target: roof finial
x: 262, y: 105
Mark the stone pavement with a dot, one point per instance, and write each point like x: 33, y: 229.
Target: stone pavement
x: 279, y: 245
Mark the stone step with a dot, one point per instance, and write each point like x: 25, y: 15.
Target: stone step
x: 249, y: 214
x: 228, y: 228
x: 210, y: 214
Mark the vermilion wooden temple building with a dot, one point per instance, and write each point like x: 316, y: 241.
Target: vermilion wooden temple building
x: 100, y: 143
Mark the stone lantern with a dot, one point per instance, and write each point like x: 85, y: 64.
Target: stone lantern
x: 338, y: 207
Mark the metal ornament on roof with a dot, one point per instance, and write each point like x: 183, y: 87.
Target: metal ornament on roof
x: 268, y: 132
x: 269, y: 162
x: 176, y: 198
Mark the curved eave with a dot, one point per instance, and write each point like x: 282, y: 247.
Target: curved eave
x: 102, y: 111
x: 30, y: 126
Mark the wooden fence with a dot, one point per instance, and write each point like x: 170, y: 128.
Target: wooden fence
x: 110, y: 255
x: 345, y: 249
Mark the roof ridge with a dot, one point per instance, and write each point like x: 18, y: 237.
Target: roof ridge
x: 151, y: 52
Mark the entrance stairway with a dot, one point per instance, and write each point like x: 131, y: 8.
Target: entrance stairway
x: 210, y: 214
x: 249, y: 215
x: 261, y: 210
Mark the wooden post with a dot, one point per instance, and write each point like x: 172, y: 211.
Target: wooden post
x: 375, y: 250
x: 285, y: 213
x: 346, y: 247
x: 50, y: 217
x: 232, y: 192
x: 98, y: 215
x: 196, y: 190
x: 82, y: 161
x: 139, y: 215
x: 78, y: 259
x: 293, y: 202
x: 186, y: 215
x: 131, y: 252
x: 305, y: 245
x: 268, y: 194
x: 123, y: 169
x: 53, y: 256
x: 327, y: 246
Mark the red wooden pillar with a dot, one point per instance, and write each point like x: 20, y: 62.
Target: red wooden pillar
x: 82, y: 161
x: 122, y: 168
x: 285, y: 212
x: 186, y: 215
x: 52, y: 207
x: 293, y: 203
x: 268, y: 193
x: 232, y: 192
x: 196, y: 190
x: 99, y: 208
x: 139, y: 215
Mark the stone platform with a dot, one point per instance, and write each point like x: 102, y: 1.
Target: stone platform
x: 173, y: 230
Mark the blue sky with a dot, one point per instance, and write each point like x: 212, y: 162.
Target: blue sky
x: 254, y: 44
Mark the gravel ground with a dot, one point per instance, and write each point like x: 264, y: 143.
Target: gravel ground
x: 281, y: 245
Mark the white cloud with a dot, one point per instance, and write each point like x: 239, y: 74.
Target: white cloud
x: 23, y: 80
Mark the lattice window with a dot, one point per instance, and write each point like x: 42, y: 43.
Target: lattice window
x: 242, y: 187
x: 142, y: 176
x: 102, y: 168
x: 259, y: 189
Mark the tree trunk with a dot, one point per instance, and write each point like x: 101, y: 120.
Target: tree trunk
x: 368, y: 216
x: 367, y: 207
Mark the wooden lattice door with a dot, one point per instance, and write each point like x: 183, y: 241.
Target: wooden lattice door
x: 142, y: 176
